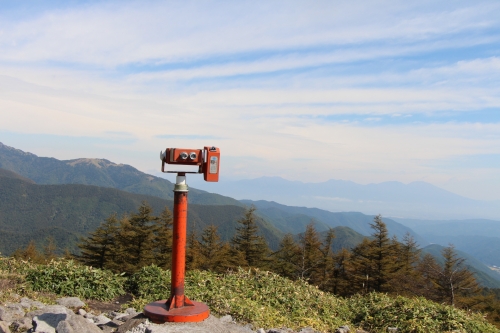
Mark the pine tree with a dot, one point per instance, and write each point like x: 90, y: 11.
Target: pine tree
x: 382, y: 254
x: 427, y: 271
x: 137, y: 239
x: 285, y: 259
x: 363, y: 267
x: 310, y: 252
x: 340, y: 282
x: 248, y: 243
x: 407, y: 256
x: 194, y: 259
x: 454, y: 280
x: 324, y: 273
x: 375, y: 259
x: 49, y: 250
x: 29, y: 253
x: 163, y: 240
x: 99, y: 248
x: 215, y: 253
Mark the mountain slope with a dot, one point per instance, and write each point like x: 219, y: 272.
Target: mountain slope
x: 98, y: 172
x: 485, y: 276
x: 478, y: 237
x: 31, y: 211
x: 323, y: 219
x: 413, y: 200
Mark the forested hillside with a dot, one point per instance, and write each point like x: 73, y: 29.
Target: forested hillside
x: 65, y: 212
x: 294, y: 219
x: 98, y: 172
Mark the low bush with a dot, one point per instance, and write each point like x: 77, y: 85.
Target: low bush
x: 262, y: 298
x: 269, y: 300
x: 71, y: 279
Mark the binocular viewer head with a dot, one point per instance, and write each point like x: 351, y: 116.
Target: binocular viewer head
x: 207, y: 160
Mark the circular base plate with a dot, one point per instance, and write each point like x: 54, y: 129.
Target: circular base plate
x: 157, y: 312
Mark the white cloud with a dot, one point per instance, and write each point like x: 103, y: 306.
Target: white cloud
x: 260, y: 79
x: 134, y: 32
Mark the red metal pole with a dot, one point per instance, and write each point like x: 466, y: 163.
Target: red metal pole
x: 178, y: 308
x: 178, y: 250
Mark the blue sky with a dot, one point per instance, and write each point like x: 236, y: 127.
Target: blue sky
x: 363, y: 91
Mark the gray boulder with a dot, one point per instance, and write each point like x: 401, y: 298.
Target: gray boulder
x: 11, y: 312
x: 4, y: 328
x: 343, y: 329
x: 76, y: 324
x: 70, y: 302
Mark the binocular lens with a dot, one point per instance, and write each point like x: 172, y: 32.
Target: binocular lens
x: 192, y: 156
x: 183, y: 155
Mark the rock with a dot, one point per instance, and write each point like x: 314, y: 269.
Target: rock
x: 11, y: 312
x: 226, y: 319
x: 308, y: 330
x: 82, y: 312
x: 4, y: 328
x: 25, y: 302
x: 131, y: 311
x: 111, y: 326
x: 28, y: 303
x: 343, y: 329
x: 122, y: 316
x: 46, y: 319
x: 101, y: 320
x: 89, y: 315
x: 131, y: 323
x: 22, y: 324
x: 57, y: 309
x: 76, y: 324
x: 261, y: 330
x: 70, y: 302
x: 392, y: 329
x: 47, y: 322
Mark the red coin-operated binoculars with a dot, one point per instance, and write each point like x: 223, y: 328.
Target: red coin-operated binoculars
x: 178, y: 308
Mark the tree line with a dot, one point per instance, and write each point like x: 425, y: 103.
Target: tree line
x: 378, y: 264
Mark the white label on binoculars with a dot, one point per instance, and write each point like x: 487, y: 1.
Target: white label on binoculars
x: 213, y: 164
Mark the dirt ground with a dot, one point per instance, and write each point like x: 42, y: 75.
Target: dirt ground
x: 113, y: 305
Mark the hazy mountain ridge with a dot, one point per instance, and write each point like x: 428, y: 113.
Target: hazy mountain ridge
x: 98, y: 172
x: 324, y: 219
x: 414, y: 200
x: 477, y: 237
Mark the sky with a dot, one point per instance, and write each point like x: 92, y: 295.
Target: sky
x: 367, y: 91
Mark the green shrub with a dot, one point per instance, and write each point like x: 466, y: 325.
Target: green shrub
x: 269, y: 300
x: 375, y: 312
x: 71, y: 279
x: 150, y: 282
x: 262, y: 298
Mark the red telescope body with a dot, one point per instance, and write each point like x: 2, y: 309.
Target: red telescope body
x: 207, y: 160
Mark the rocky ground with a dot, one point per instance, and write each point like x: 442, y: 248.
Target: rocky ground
x: 69, y: 316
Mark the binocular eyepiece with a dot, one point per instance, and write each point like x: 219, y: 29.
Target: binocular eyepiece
x: 184, y: 155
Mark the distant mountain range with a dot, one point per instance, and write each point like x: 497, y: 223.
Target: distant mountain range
x: 418, y: 200
x: 41, y: 197
x: 477, y: 237
x: 294, y: 220
x: 98, y: 172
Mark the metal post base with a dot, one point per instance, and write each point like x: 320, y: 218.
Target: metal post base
x: 158, y: 312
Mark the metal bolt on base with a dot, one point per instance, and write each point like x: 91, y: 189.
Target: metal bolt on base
x: 178, y: 308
